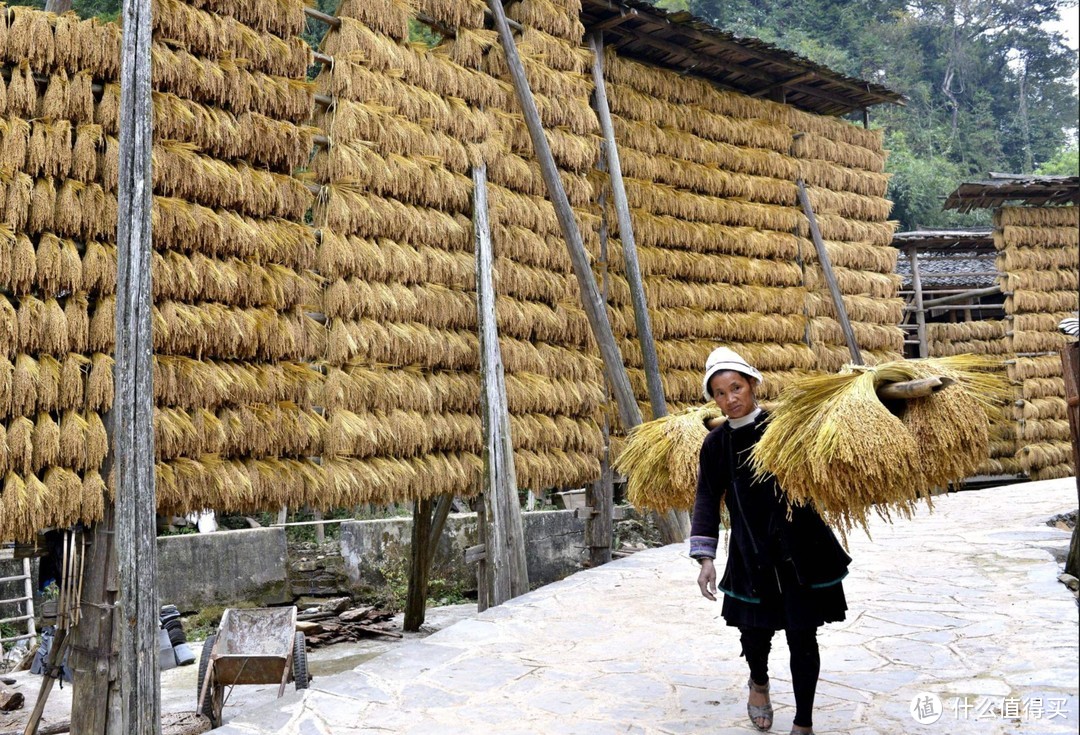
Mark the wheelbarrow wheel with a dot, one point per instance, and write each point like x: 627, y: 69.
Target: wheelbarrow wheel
x: 212, y: 704
x: 299, y: 661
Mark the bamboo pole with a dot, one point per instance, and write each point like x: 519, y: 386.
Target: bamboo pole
x: 595, y: 309
x: 136, y: 527
x: 830, y: 277
x: 920, y: 311
x: 503, y: 571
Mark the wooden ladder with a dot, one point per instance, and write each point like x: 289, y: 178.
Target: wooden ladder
x: 27, y: 600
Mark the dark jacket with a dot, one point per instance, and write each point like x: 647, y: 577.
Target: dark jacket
x: 761, y: 534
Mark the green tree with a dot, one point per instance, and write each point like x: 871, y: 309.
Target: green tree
x: 1066, y: 162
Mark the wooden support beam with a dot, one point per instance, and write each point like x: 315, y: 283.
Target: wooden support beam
x: 830, y: 277
x: 920, y: 311
x: 626, y: 233
x: 598, y: 496
x: 595, y: 309
x: 503, y: 573
x: 622, y: 17
x: 133, y: 445
x: 963, y: 296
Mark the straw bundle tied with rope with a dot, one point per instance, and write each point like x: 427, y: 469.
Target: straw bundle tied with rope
x: 1037, y: 217
x: 832, y: 442
x: 556, y: 17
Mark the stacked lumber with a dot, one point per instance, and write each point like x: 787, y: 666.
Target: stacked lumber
x: 1039, y: 261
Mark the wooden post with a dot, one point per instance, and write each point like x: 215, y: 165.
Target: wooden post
x: 598, y: 525
x: 595, y: 309
x: 626, y: 234
x: 429, y: 519
x: 416, y: 596
x: 920, y: 312
x: 133, y: 445
x: 505, y: 574
x: 1070, y: 368
x: 830, y: 277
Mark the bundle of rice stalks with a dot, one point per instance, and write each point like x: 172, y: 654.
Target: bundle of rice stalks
x: 348, y: 210
x: 556, y: 18
x: 461, y: 15
x: 414, y: 179
x: 524, y: 176
x: 356, y: 108
x: 389, y: 17
x: 1023, y: 300
x: 660, y: 459
x: 401, y: 344
x: 1037, y: 217
x: 284, y: 18
x: 1040, y: 237
x: 212, y: 36
x: 832, y: 443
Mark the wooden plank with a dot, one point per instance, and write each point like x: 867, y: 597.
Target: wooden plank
x: 133, y: 446
x: 476, y: 553
x: 595, y: 309
x: 504, y: 571
x: 830, y: 277
x: 920, y: 311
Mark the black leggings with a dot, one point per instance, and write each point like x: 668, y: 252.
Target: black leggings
x: 805, y: 665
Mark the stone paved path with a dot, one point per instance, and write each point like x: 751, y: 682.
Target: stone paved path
x: 962, y: 603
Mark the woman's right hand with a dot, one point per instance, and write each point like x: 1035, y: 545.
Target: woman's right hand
x: 706, y: 580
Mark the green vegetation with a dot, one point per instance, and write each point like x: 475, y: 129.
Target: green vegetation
x: 989, y: 88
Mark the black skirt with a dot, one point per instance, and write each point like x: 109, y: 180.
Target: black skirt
x: 788, y: 605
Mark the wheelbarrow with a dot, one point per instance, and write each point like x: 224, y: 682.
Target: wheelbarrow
x: 252, y: 646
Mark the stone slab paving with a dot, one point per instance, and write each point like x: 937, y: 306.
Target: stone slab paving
x: 962, y: 604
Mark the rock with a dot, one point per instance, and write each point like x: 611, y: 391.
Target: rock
x: 1069, y: 581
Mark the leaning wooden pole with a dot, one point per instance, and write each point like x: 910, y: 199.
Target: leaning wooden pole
x: 830, y: 277
x: 504, y: 573
x: 133, y: 440
x: 920, y: 310
x: 631, y: 267
x: 595, y: 309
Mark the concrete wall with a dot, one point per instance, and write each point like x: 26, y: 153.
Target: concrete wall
x: 554, y: 548
x: 198, y: 570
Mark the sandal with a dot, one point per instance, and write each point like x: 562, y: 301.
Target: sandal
x: 801, y: 732
x: 764, y: 712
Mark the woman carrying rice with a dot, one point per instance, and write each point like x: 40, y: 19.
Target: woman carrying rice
x: 784, y: 565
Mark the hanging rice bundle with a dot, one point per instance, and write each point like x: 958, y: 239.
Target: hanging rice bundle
x: 660, y: 460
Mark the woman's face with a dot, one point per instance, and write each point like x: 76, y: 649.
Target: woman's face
x: 733, y: 393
